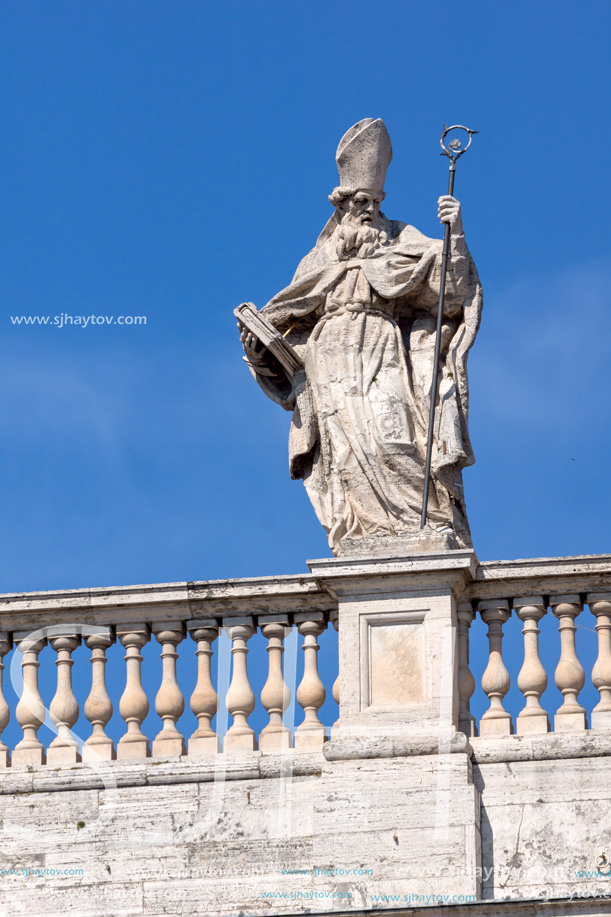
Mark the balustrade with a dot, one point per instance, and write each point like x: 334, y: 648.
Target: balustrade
x: 600, y: 606
x: 466, y: 681
x: 169, y: 703
x: 311, y: 692
x: 532, y: 680
x: 275, y: 695
x: 569, y: 676
x: 495, y: 680
x: 30, y: 711
x: 240, y: 696
x: 204, y: 700
x: 98, y: 706
x: 134, y: 705
x: 64, y: 707
x: 257, y: 696
x: 334, y: 618
x: 240, y: 699
x: 5, y: 713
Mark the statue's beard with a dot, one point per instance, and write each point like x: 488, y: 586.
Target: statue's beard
x: 359, y: 240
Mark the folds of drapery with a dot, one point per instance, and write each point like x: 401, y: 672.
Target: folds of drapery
x: 407, y: 272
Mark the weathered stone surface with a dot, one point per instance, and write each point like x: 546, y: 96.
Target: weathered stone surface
x: 360, y: 317
x: 398, y: 659
x: 218, y: 847
x: 544, y: 824
x: 193, y: 848
x: 210, y: 835
x: 98, y: 900
x: 397, y: 546
x: 162, y: 601
x: 263, y: 596
x: 549, y: 747
x: 540, y: 576
x: 397, y: 664
x: 397, y: 746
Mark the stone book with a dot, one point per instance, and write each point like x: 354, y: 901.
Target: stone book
x: 270, y: 337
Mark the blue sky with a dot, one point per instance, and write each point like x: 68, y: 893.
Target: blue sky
x: 173, y: 160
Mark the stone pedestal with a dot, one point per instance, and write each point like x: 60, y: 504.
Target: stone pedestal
x: 63, y: 754
x: 427, y: 540
x: 600, y: 720
x: 570, y: 722
x: 206, y: 745
x: 93, y: 753
x: 399, y: 715
x: 28, y: 757
x: 398, y: 659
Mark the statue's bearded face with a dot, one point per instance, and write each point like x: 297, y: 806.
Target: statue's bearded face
x: 360, y: 233
x: 363, y: 207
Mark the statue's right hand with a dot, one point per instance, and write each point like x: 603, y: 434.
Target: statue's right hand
x: 253, y: 348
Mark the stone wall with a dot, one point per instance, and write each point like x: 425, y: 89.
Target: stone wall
x: 177, y: 838
x: 545, y: 816
x: 402, y: 806
x: 172, y: 838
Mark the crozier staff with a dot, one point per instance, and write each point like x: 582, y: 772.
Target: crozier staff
x: 453, y: 151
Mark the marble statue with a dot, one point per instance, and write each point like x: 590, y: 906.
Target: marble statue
x: 360, y: 312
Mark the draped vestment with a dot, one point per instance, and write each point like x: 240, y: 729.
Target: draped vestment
x: 365, y: 329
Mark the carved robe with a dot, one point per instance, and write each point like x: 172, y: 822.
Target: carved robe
x: 365, y: 329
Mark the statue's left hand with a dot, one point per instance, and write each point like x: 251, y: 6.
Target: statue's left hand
x: 254, y: 350
x: 449, y: 212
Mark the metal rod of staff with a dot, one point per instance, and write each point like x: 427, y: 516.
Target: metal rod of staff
x: 453, y: 151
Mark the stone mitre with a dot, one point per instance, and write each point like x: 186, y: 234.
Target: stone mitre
x: 363, y: 156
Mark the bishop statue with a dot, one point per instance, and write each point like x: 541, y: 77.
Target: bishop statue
x: 360, y: 313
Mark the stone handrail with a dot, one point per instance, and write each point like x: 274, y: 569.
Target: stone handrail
x: 531, y: 589
x: 170, y: 613
x: 496, y: 593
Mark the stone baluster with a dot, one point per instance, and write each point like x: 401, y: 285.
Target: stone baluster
x: 5, y: 713
x: 275, y: 696
x: 600, y: 606
x: 169, y: 703
x: 240, y: 697
x: 64, y: 708
x: 532, y: 680
x: 570, y: 676
x: 311, y: 692
x: 495, y: 680
x: 334, y: 618
x: 30, y: 712
x: 134, y: 705
x: 204, y: 700
x: 466, y: 681
x: 98, y: 706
